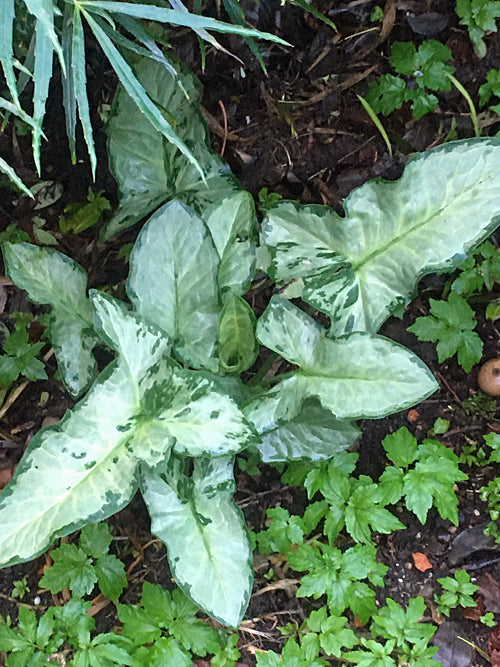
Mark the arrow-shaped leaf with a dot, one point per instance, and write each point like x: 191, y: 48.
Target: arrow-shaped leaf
x: 360, y: 268
x: 204, y: 530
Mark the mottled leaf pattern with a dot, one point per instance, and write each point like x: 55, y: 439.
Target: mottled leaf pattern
x: 173, y: 282
x: 50, y: 277
x: 208, y: 546
x: 360, y: 268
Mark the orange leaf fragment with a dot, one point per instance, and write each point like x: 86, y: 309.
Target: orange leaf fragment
x: 413, y: 416
x: 422, y: 563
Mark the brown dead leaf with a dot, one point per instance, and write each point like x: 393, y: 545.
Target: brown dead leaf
x: 422, y: 563
x: 6, y: 476
x: 489, y: 590
x: 413, y: 416
x: 493, y: 646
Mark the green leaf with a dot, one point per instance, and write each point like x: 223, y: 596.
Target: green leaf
x: 173, y: 282
x: 401, y: 447
x: 232, y: 225
x: 95, y: 539
x: 364, y: 513
x: 208, y: 547
x: 314, y: 434
x: 188, y: 410
x: 360, y: 268
x: 72, y: 569
x: 451, y: 323
x: 238, y: 347
x: 50, y: 277
x: 148, y: 169
x: 139, y: 343
x: 360, y: 375
x: 111, y: 577
x: 79, y: 76
x: 386, y: 94
x: 6, y: 47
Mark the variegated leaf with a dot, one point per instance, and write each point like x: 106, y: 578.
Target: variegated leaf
x: 190, y: 410
x: 173, y: 282
x: 73, y: 473
x: 360, y: 268
x: 359, y: 375
x: 150, y: 171
x: 231, y: 222
x: 314, y: 434
x: 139, y: 343
x: 204, y: 530
x: 50, y: 277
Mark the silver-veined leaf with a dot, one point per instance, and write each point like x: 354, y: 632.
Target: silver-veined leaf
x: 50, y: 277
x: 359, y: 375
x: 204, y: 530
x: 360, y: 268
x: 191, y: 411
x: 173, y: 282
x: 148, y: 169
x: 238, y: 347
x: 232, y: 225
x: 314, y: 434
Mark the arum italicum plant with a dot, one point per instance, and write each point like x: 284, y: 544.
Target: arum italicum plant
x: 170, y: 413
x: 58, y: 28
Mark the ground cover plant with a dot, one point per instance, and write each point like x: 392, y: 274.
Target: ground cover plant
x: 201, y: 367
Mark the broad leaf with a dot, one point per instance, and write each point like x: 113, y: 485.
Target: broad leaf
x: 208, y: 547
x: 314, y: 434
x: 148, y: 169
x: 187, y: 409
x: 50, y: 277
x: 360, y: 375
x: 238, y: 347
x: 232, y: 225
x: 173, y: 282
x: 360, y: 268
x: 138, y: 342
x: 72, y: 473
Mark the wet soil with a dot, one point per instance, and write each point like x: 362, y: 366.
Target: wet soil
x: 299, y: 131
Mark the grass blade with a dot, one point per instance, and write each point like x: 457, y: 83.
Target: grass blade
x: 68, y: 84
x: 7, y: 47
x: 136, y: 90
x: 376, y: 120
x: 80, y: 86
x: 7, y: 169
x: 43, y: 10
x: 175, y: 17
x: 41, y: 77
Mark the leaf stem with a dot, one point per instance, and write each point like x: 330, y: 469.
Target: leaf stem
x: 472, y: 108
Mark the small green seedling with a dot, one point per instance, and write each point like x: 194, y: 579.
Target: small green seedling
x: 81, y: 216
x: 451, y: 324
x: 479, y: 271
x: 81, y: 567
x: 20, y: 357
x: 457, y: 592
x: 21, y: 588
x: 480, y: 17
x: 421, y: 71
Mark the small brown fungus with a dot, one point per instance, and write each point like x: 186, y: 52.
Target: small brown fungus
x: 488, y: 377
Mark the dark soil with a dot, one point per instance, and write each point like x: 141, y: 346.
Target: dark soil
x: 301, y: 132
